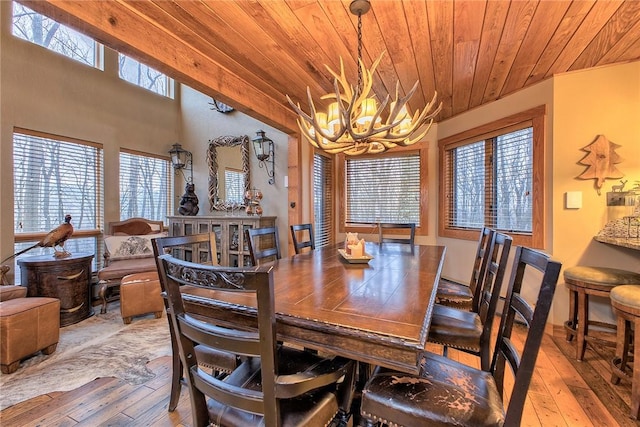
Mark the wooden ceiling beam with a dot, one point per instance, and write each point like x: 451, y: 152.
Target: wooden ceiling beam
x: 118, y: 27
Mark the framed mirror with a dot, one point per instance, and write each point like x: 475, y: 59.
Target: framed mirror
x: 227, y: 179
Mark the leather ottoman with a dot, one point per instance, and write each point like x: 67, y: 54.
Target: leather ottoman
x: 140, y: 294
x: 27, y: 325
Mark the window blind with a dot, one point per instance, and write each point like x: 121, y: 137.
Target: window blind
x: 490, y: 182
x: 322, y: 200
x: 146, y: 184
x: 54, y: 176
x: 234, y: 186
x: 383, y: 189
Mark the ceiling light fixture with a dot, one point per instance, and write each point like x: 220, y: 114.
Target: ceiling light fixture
x: 354, y: 122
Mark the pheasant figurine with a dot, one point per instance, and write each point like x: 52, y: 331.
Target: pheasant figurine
x: 54, y: 239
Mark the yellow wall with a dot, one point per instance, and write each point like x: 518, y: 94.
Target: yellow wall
x: 460, y: 253
x: 580, y: 106
x: 603, y: 101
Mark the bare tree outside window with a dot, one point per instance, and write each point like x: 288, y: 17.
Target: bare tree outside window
x: 383, y: 189
x: 52, y: 178
x: 142, y: 75
x: 36, y: 28
x: 145, y: 187
x: 492, y: 182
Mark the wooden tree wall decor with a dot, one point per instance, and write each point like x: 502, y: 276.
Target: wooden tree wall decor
x: 600, y: 161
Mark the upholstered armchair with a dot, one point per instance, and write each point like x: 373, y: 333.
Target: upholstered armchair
x: 128, y: 250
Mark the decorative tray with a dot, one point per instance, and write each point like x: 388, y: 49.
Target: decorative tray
x: 355, y: 259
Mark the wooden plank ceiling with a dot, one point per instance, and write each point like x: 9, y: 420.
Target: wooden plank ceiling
x: 250, y: 54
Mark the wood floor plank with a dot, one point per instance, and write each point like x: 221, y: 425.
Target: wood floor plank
x: 548, y: 411
x: 563, y: 392
x: 61, y: 404
x: 15, y: 411
x: 110, y: 406
x: 556, y: 388
x: 564, y: 368
x: 594, y: 408
x: 598, y: 382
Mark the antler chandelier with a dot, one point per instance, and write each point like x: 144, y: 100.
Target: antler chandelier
x: 354, y: 122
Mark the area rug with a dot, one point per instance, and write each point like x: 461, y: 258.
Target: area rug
x: 100, y: 346
x: 595, y: 371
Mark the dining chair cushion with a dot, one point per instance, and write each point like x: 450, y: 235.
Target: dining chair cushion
x: 454, y: 294
x: 310, y: 409
x: 441, y: 395
x: 217, y: 361
x: 455, y: 328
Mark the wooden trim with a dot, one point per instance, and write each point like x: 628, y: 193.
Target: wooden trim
x: 537, y: 117
x: 35, y: 237
x: 55, y: 137
x: 294, y: 192
x: 119, y: 28
x: 145, y: 154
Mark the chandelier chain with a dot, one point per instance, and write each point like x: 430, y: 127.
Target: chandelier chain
x: 359, y: 88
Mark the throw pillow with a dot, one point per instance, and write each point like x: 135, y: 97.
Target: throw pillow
x: 127, y: 247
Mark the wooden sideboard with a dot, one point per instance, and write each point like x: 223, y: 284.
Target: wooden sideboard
x: 230, y: 239
x: 68, y: 279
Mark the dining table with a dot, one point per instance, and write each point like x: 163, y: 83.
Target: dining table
x: 375, y: 309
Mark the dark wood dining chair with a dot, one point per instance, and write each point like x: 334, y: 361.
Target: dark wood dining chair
x: 466, y: 296
x: 274, y: 385
x: 384, y: 229
x: 264, y: 244
x: 218, y: 361
x: 470, y: 331
x: 299, y: 244
x: 451, y: 393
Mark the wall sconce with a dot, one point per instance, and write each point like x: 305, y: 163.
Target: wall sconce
x: 265, y: 153
x: 182, y: 159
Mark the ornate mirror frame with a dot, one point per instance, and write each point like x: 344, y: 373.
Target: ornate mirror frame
x: 215, y: 202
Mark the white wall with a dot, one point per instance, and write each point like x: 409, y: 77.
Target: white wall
x: 201, y: 124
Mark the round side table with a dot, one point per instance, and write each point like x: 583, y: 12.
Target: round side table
x: 68, y: 279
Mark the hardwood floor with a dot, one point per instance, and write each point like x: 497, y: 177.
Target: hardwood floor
x: 563, y: 392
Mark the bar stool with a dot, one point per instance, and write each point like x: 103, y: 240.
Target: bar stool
x: 585, y: 281
x: 625, y: 301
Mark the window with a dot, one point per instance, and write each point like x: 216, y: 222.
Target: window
x: 144, y: 76
x: 493, y: 176
x: 36, y: 28
x: 383, y: 188
x: 234, y: 186
x: 322, y: 200
x: 146, y: 184
x: 54, y: 176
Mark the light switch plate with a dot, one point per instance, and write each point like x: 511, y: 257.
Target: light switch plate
x: 573, y: 199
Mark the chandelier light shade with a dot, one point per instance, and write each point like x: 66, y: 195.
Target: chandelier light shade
x: 355, y: 122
